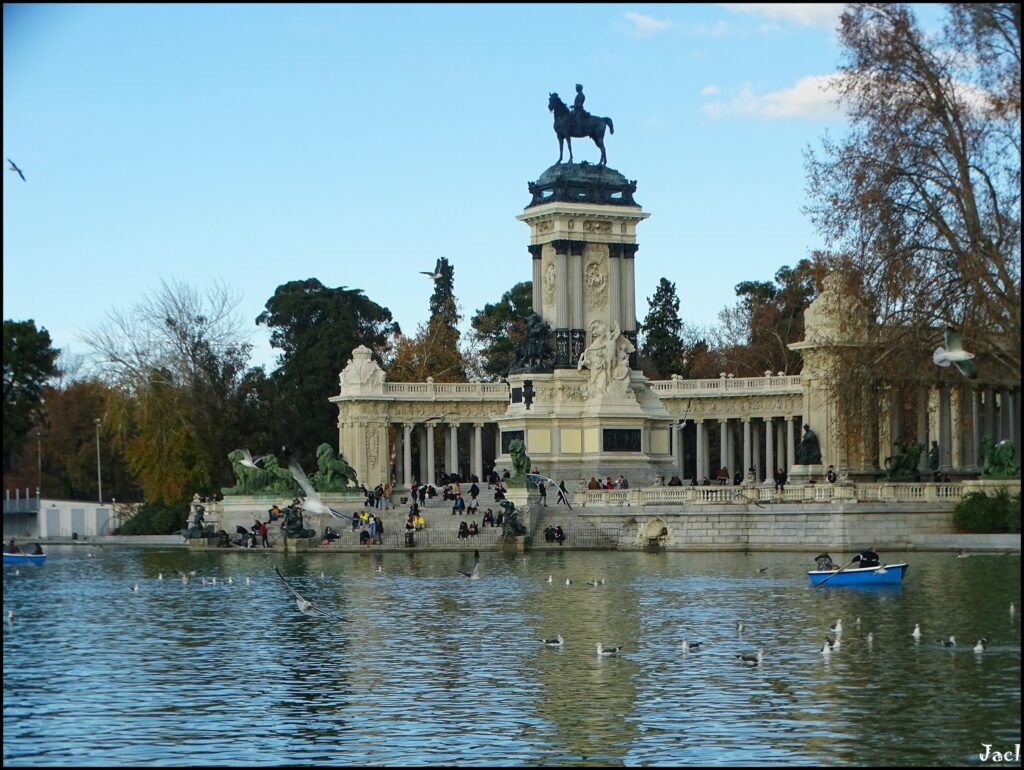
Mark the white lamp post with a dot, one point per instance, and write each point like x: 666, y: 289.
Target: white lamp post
x: 99, y: 475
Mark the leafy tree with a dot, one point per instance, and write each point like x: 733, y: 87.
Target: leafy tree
x: 432, y: 352
x: 177, y: 360
x: 920, y: 201
x: 500, y: 329
x: 755, y: 333
x: 316, y: 328
x: 661, y: 346
x: 29, y: 360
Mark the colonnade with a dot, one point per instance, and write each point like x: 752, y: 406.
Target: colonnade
x: 430, y: 465
x: 767, y: 443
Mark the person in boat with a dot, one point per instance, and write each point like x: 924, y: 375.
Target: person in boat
x: 824, y: 562
x: 12, y: 547
x: 867, y: 558
x: 38, y: 550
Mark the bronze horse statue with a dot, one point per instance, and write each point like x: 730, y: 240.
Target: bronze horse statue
x: 565, y: 127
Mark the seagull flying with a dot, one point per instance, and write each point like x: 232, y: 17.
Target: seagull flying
x: 954, y: 353
x: 312, y: 502
x: 475, y: 573
x: 14, y: 167
x: 247, y: 459
x: 305, y: 606
x: 436, y: 275
x: 610, y: 651
x: 556, y: 642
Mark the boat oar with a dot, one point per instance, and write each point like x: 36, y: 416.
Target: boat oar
x: 823, y: 582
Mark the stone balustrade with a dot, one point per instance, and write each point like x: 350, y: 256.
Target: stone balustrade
x: 733, y: 386
x: 793, y: 493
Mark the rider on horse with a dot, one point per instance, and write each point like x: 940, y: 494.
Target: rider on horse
x: 578, y: 113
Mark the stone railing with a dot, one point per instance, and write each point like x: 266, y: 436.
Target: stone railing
x: 736, y: 385
x: 810, y: 493
x: 442, y: 391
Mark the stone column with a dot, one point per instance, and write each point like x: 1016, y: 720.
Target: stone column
x: 578, y: 335
x: 755, y: 430
x: 790, y: 445
x: 922, y: 429
x: 746, y: 447
x: 769, y: 449
x: 478, y: 450
x: 701, y: 470
x: 945, y: 440
x: 955, y: 434
x: 423, y: 454
x: 628, y: 291
x: 535, y: 252
x: 975, y: 454
x: 723, y: 438
x: 431, y: 469
x: 561, y: 325
x: 990, y: 414
x: 453, y: 448
x: 407, y: 454
x: 780, y: 447
x: 614, y: 285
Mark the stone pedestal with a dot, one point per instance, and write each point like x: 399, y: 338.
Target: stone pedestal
x: 801, y: 474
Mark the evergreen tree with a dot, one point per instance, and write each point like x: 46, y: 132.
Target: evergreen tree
x: 662, y: 347
x: 316, y: 328
x: 29, y: 360
x: 500, y: 329
x: 442, y: 301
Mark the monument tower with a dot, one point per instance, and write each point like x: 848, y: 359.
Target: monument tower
x: 585, y: 409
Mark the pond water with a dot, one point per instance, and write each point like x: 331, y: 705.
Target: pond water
x: 437, y: 669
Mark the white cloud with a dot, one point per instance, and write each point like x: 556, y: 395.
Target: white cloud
x: 710, y: 91
x: 807, y: 99
x: 646, y: 25
x: 717, y: 30
x: 805, y: 14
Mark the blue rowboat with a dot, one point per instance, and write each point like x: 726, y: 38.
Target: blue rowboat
x: 24, y: 558
x: 885, y: 574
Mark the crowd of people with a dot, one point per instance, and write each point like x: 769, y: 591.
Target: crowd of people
x: 620, y: 483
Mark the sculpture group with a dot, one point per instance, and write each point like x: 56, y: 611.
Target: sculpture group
x: 607, y: 360
x: 333, y: 474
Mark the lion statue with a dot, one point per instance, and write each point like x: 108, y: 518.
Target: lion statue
x: 511, y: 526
x: 293, y: 527
x: 278, y: 480
x: 997, y: 461
x: 335, y: 475
x: 248, y: 480
x: 520, y: 460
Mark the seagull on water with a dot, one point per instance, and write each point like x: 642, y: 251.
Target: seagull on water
x: 916, y: 633
x: 230, y: 581
x: 556, y: 642
x: 14, y: 167
x: 312, y: 502
x: 436, y: 275
x: 826, y: 648
x: 135, y: 587
x: 836, y: 643
x: 610, y: 651
x: 1013, y: 610
x: 551, y: 579
x: 568, y: 582
x: 837, y: 629
x: 752, y: 659
x: 596, y: 583
x: 740, y: 625
x: 954, y: 353
x: 870, y: 638
x: 951, y: 642
x: 857, y: 621
x: 980, y: 645
x: 688, y: 645
x: 247, y: 581
x: 10, y: 617
x: 474, y: 574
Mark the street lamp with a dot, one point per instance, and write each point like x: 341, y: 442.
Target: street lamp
x: 39, y: 463
x: 99, y: 475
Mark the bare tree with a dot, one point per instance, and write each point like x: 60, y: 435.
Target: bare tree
x: 920, y: 202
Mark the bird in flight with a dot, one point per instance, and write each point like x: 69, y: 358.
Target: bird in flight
x: 14, y: 167
x: 312, y: 502
x: 434, y: 276
x: 306, y: 607
x: 475, y: 573
x: 954, y: 353
x: 247, y: 459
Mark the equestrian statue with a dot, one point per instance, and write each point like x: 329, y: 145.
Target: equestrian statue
x: 578, y: 123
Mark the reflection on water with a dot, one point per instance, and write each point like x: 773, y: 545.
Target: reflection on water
x: 439, y: 669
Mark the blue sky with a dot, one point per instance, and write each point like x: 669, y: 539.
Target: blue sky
x: 258, y: 144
